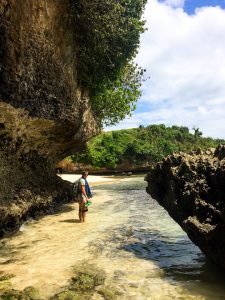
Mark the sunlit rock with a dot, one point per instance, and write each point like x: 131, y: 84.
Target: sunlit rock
x: 191, y: 187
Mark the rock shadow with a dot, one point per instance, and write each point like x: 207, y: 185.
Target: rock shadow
x: 64, y: 208
x: 181, y: 261
x: 70, y: 221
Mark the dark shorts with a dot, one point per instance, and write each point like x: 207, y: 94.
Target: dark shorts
x: 82, y: 207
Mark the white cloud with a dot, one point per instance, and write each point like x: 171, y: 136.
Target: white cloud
x: 185, y: 57
x: 175, y: 3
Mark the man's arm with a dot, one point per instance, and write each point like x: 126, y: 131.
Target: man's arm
x: 84, y: 193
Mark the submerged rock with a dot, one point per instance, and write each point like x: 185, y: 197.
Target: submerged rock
x: 83, y: 284
x: 109, y: 293
x: 6, y: 277
x: 29, y: 293
x: 68, y: 295
x: 191, y: 187
x: 87, y: 279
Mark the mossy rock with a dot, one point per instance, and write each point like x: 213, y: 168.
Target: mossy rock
x: 72, y: 295
x: 12, y: 295
x: 31, y: 293
x: 6, y: 277
x: 66, y: 295
x: 87, y: 280
x: 109, y: 293
x: 83, y: 282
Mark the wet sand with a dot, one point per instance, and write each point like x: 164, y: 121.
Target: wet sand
x: 45, y: 251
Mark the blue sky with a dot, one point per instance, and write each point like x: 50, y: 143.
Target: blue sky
x: 191, y: 5
x: 184, y: 54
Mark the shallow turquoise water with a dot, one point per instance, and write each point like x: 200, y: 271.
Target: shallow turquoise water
x: 158, y: 239
x: 144, y: 253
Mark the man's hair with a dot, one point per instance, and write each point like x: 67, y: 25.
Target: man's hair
x: 84, y: 173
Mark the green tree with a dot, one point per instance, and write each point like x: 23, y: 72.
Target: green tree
x: 197, y: 134
x: 141, y: 146
x: 107, y: 37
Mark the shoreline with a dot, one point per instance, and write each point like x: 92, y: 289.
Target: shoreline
x: 119, y: 172
x: 95, y: 180
x: 92, y: 179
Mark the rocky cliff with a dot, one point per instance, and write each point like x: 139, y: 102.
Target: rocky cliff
x: 191, y: 187
x: 44, y: 114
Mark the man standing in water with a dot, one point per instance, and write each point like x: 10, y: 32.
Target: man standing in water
x: 84, y: 195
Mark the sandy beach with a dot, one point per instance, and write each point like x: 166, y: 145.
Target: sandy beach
x: 93, y: 180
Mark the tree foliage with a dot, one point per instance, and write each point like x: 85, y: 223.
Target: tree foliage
x: 107, y: 34
x: 116, y: 100
x: 140, y: 146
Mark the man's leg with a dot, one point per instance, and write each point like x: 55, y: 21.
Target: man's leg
x: 83, y: 216
x: 80, y: 215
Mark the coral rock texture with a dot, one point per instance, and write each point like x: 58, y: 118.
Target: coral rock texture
x: 44, y: 115
x: 191, y: 187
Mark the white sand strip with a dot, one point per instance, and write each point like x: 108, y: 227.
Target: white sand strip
x: 92, y: 179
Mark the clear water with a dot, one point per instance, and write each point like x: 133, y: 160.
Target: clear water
x: 143, y: 251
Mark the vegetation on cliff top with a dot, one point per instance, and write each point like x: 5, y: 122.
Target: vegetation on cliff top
x: 107, y: 35
x: 141, y: 146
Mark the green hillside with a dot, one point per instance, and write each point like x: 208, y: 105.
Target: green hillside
x: 141, y: 146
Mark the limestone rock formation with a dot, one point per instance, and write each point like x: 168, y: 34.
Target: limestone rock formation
x: 44, y: 115
x: 191, y: 187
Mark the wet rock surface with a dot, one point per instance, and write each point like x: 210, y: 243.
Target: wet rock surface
x: 44, y: 114
x: 191, y: 187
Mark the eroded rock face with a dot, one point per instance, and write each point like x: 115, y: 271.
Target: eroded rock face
x: 44, y: 115
x: 191, y: 187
